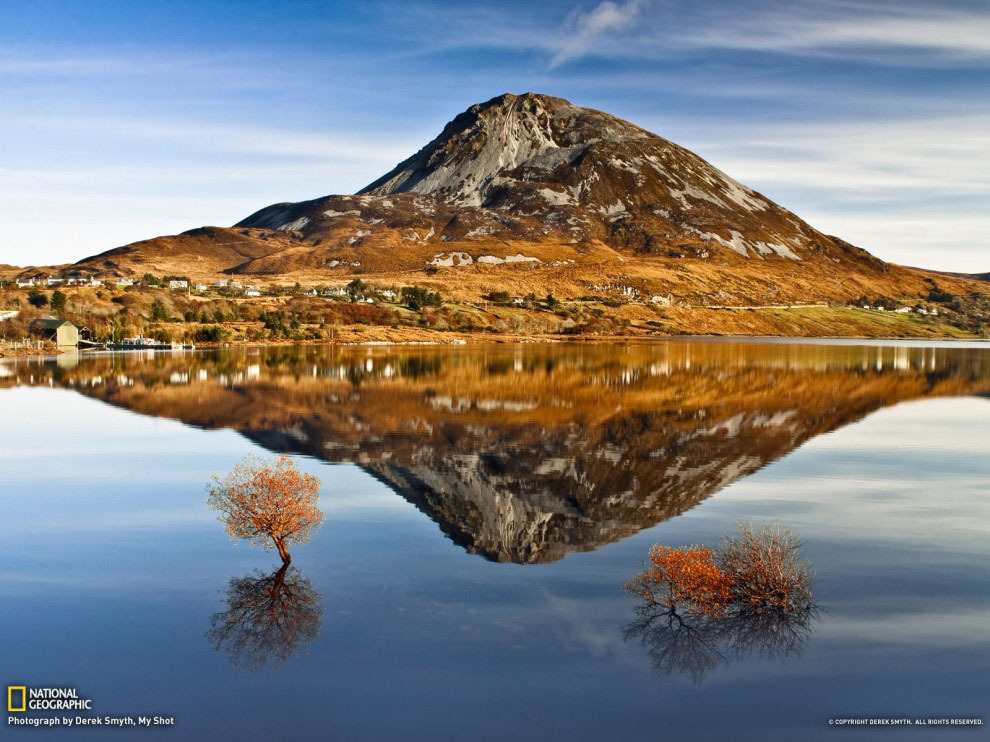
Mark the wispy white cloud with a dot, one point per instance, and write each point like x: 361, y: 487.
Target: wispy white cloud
x: 585, y: 29
x: 158, y: 176
x: 913, y: 190
x: 227, y: 137
x: 925, y: 625
x: 869, y: 160
x: 922, y: 237
x: 846, y: 29
x: 645, y: 31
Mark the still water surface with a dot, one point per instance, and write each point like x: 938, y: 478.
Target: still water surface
x: 484, y: 507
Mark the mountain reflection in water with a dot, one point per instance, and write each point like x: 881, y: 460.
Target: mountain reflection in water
x: 526, y: 453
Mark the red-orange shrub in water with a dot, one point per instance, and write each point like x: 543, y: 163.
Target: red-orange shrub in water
x: 687, y: 577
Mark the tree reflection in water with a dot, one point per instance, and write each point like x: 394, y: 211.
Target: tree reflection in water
x: 695, y: 644
x: 268, y: 618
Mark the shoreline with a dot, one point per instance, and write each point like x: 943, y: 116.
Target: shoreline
x: 480, y: 339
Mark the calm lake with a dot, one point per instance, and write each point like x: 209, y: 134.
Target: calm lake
x: 484, y: 507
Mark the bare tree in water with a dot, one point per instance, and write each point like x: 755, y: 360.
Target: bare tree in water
x: 268, y: 618
x: 271, y: 504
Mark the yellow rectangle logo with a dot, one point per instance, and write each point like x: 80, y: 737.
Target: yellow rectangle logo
x: 11, y: 689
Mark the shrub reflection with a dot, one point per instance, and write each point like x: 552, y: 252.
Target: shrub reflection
x: 268, y: 618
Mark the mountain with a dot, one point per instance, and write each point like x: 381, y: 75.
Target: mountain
x: 535, y: 195
x: 535, y: 168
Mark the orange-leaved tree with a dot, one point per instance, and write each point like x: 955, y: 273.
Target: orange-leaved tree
x: 687, y: 577
x: 270, y: 504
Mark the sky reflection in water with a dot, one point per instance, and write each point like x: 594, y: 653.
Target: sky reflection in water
x: 484, y: 509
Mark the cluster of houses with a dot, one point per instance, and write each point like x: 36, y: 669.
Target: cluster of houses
x: 631, y: 293
x: 56, y: 281
x: 234, y: 286
x: 341, y: 293
x: 179, y: 284
x: 904, y: 310
x: 175, y: 284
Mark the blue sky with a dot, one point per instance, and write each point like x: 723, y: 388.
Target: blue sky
x: 125, y: 120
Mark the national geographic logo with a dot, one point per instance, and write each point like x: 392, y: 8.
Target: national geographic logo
x: 15, y: 692
x: 22, y: 698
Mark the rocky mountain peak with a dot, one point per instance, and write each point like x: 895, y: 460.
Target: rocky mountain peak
x: 542, y: 156
x: 478, y: 150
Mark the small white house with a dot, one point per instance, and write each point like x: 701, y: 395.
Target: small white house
x: 6, y: 314
x: 201, y: 287
x: 221, y: 284
x: 388, y: 294
x: 252, y: 291
x: 25, y: 282
x: 178, y: 284
x: 125, y: 281
x: 311, y: 292
x: 335, y: 292
x: 236, y: 285
x: 902, y: 310
x: 53, y: 280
